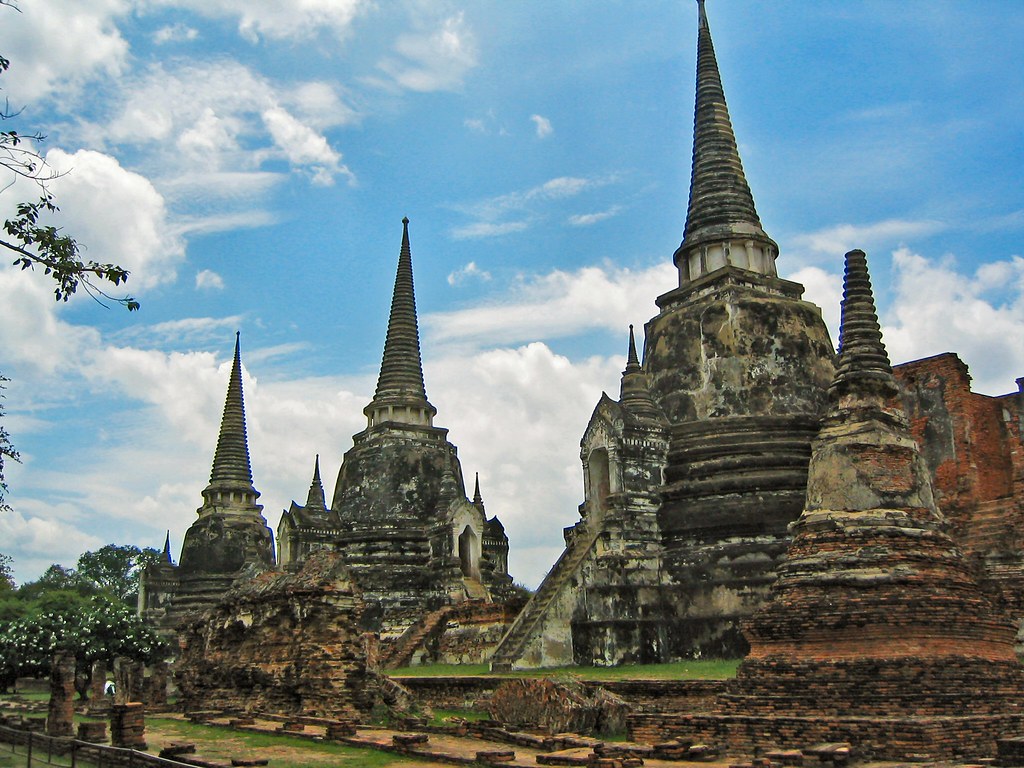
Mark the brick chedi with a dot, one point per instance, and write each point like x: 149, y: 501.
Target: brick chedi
x: 400, y: 518
x: 230, y: 537
x: 876, y: 631
x: 284, y: 643
x: 692, y: 477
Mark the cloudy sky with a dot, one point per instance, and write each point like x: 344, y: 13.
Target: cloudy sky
x: 250, y: 162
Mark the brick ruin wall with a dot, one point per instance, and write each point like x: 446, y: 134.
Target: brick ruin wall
x: 973, y: 446
x: 646, y: 696
x: 284, y: 644
x: 473, y: 631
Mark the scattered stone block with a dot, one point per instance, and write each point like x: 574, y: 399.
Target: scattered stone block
x: 340, y: 730
x: 237, y: 721
x: 786, y: 756
x: 128, y: 725
x: 291, y: 726
x: 496, y: 755
x: 409, y: 739
x: 177, y: 749
x: 94, y: 732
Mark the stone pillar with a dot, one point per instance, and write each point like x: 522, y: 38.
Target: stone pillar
x: 128, y: 725
x: 122, y: 681
x: 137, y: 681
x: 156, y: 685
x: 99, y: 704
x: 62, y: 695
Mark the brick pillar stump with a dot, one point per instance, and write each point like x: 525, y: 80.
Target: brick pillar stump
x: 60, y: 719
x: 128, y: 725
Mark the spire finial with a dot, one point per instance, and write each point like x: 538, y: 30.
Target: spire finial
x: 477, y: 499
x: 632, y: 361
x: 401, y: 371
x: 315, y: 499
x: 721, y: 208
x: 167, y: 548
x: 862, y: 366
x: 231, y: 467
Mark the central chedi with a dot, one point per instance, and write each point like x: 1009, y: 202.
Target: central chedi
x: 692, y: 476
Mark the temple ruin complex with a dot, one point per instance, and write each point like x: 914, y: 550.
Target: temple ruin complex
x: 693, y: 476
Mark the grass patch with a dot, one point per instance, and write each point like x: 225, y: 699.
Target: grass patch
x: 283, y: 751
x: 691, y: 669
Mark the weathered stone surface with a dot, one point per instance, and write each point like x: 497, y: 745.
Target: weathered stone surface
x: 876, y: 631
x: 280, y: 643
x: 128, y: 725
x: 60, y: 717
x: 400, y: 516
x: 557, y: 707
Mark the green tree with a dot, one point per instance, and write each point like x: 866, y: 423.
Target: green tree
x: 7, y: 452
x: 30, y: 237
x: 94, y: 629
x: 6, y: 574
x: 116, y: 569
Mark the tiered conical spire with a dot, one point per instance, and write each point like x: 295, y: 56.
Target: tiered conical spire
x: 231, y: 467
x: 478, y: 500
x: 401, y: 395
x: 315, y: 499
x: 862, y: 366
x: 634, y: 388
x: 721, y: 208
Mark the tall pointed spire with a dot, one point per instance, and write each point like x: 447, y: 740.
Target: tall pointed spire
x: 400, y: 394
x: 167, y: 548
x: 862, y: 366
x: 231, y: 468
x: 315, y: 499
x: 722, y: 225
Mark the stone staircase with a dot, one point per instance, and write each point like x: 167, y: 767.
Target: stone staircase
x: 529, y: 620
x: 401, y: 651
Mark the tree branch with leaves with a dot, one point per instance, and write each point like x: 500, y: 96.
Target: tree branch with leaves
x: 36, y: 243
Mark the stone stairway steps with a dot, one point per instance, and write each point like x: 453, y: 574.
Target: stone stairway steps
x: 401, y: 652
x: 511, y: 646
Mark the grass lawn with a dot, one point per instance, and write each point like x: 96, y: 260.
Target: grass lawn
x: 693, y: 669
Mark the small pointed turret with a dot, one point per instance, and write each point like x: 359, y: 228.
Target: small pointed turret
x: 167, y: 549
x: 478, y: 500
x: 401, y: 396
x: 862, y: 366
x: 232, y: 471
x: 315, y: 500
x: 722, y: 225
x: 634, y: 389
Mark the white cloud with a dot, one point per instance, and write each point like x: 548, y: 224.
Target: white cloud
x: 208, y: 280
x: 117, y: 216
x: 470, y: 271
x: 491, y: 212
x: 840, y: 238
x: 175, y: 33
x: 433, y: 60
x: 305, y: 148
x: 542, y: 125
x: 557, y: 304
x: 587, y: 219
x: 209, y: 127
x: 59, y: 45
x: 488, y: 229
x: 295, y: 20
x: 980, y: 316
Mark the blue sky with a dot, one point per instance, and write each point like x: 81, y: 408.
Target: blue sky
x: 251, y: 161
